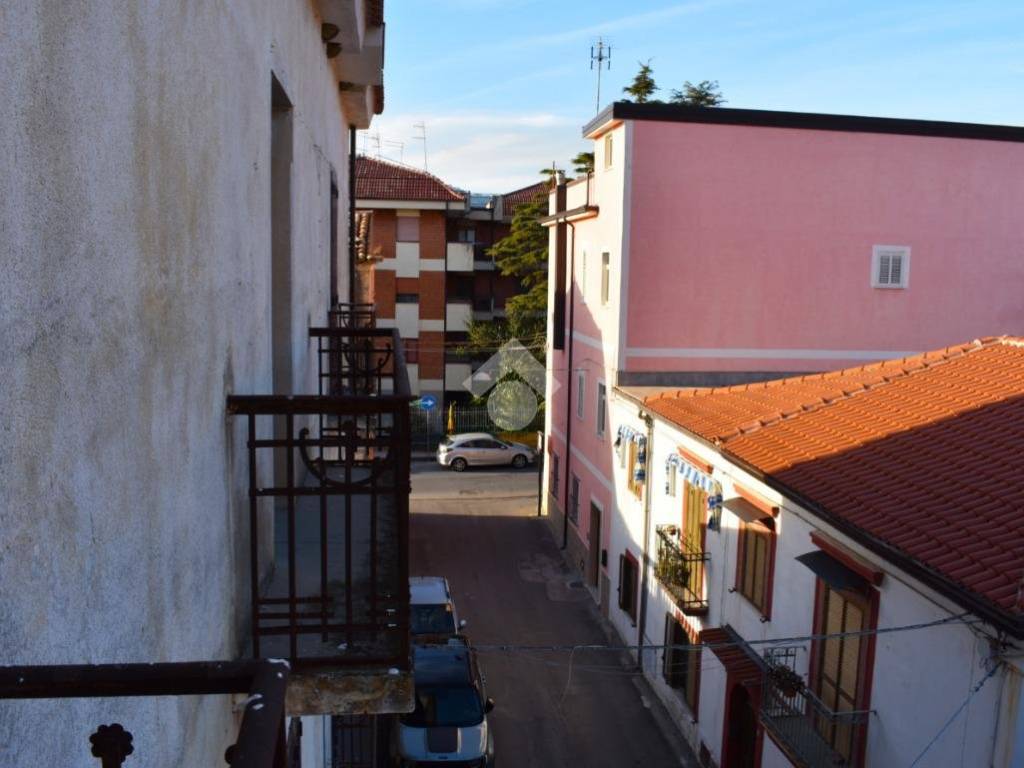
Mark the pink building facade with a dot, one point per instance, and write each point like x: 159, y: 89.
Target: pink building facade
x: 716, y: 246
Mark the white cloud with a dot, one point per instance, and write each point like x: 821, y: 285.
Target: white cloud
x: 483, y: 151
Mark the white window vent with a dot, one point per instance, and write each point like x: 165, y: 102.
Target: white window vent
x: 890, y: 266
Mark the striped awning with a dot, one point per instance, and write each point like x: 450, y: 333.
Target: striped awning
x: 690, y: 473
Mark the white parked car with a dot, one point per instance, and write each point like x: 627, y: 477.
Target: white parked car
x: 432, y: 611
x: 478, y: 449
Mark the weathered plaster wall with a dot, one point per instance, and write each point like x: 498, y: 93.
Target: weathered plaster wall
x: 135, y: 252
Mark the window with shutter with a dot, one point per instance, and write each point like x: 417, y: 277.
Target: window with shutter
x: 840, y: 664
x: 754, y: 564
x: 890, y: 266
x: 635, y: 486
x: 681, y: 666
x: 627, y: 585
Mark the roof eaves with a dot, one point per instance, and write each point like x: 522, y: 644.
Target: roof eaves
x: 680, y: 113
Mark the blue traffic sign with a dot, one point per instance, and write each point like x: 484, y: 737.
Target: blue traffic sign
x: 429, y: 402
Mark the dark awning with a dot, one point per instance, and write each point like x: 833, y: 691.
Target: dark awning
x: 832, y: 572
x: 744, y: 510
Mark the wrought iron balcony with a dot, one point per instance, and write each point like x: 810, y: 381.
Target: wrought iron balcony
x: 811, y: 734
x: 329, y: 509
x: 680, y: 569
x: 260, y: 742
x: 350, y: 315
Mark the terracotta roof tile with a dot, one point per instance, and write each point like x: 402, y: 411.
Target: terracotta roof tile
x: 925, y: 455
x: 525, y: 195
x: 384, y: 180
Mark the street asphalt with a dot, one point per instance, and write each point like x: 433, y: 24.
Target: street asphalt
x: 554, y: 708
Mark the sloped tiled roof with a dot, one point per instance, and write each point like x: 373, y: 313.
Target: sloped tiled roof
x: 924, y: 455
x: 523, y: 195
x: 384, y: 180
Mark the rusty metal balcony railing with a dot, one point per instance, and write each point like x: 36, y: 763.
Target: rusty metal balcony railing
x: 680, y: 569
x: 260, y: 742
x: 352, y: 315
x: 329, y: 510
x: 812, y: 735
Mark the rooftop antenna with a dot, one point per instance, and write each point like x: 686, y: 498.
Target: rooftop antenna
x: 401, y: 149
x: 422, y: 136
x: 601, y: 52
x: 375, y: 140
x: 364, y: 143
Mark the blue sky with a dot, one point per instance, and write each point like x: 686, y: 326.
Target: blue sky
x: 504, y: 86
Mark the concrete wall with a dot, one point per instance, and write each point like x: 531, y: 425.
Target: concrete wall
x: 134, y: 205
x: 752, y: 246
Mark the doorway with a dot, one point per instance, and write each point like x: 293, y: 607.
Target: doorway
x: 741, y: 737
x: 594, y: 534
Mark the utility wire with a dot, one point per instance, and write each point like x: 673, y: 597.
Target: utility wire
x: 956, y: 714
x: 572, y: 648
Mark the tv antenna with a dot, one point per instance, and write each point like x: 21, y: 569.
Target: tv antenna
x: 422, y: 136
x: 600, y: 53
x: 401, y: 148
x: 375, y: 140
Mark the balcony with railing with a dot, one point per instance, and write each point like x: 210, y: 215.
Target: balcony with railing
x: 459, y: 257
x: 328, y: 525
x: 260, y: 741
x: 811, y: 734
x: 352, y: 315
x: 680, y: 568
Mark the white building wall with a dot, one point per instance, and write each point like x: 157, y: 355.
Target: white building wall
x: 926, y: 671
x: 136, y: 253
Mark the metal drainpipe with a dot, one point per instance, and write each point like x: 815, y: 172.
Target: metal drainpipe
x: 351, y: 215
x: 645, y: 559
x: 569, y: 375
x: 444, y: 326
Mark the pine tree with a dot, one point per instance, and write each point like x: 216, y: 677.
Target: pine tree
x: 703, y: 94
x: 643, y: 86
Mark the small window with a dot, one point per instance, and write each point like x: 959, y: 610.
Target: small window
x: 602, y: 403
x: 608, y: 146
x: 681, y: 666
x: 628, y: 585
x: 407, y: 298
x: 554, y: 474
x: 581, y: 381
x: 408, y: 229
x: 890, y: 266
x: 605, y: 276
x: 467, y: 235
x: 574, y: 500
x: 754, y: 563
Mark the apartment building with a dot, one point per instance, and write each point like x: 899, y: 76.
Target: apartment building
x: 827, y: 569
x: 714, y: 246
x: 423, y: 262
x: 175, y: 189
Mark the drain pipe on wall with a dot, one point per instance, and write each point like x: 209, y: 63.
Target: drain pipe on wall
x: 351, y: 214
x: 645, y: 559
x: 570, y: 374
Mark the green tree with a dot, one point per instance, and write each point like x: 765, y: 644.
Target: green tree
x: 522, y: 254
x: 643, y: 87
x: 583, y: 163
x: 703, y: 94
